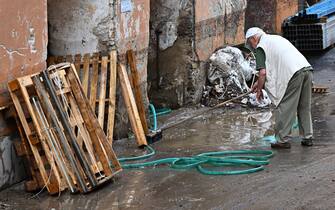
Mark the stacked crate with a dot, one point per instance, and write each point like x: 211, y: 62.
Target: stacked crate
x: 313, y: 28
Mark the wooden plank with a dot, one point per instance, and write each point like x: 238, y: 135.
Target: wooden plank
x: 84, y: 134
x: 102, y: 91
x: 112, y: 95
x: 25, y: 145
x: 63, y: 137
x: 96, y: 133
x: 60, y: 59
x: 129, y: 99
x: 54, y: 171
x: 86, y: 73
x: 87, y: 117
x: 77, y: 63
x: 137, y: 90
x: 94, y: 81
x: 50, y: 186
x: 51, y: 60
x: 51, y: 148
x: 69, y: 58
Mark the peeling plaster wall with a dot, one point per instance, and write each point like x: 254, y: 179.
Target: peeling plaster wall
x: 23, y: 41
x: 73, y: 25
x: 23, y: 50
x: 183, y: 34
x: 269, y: 14
x: 86, y: 27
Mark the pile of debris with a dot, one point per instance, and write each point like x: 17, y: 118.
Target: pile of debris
x: 228, y: 74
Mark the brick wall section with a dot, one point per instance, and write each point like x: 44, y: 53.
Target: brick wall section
x: 285, y: 8
x: 261, y: 13
x: 218, y: 23
x: 269, y: 14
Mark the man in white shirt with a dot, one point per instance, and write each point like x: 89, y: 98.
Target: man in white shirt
x: 287, y: 77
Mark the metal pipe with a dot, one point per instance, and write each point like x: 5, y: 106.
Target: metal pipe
x: 67, y: 151
x: 53, y: 143
x: 67, y: 128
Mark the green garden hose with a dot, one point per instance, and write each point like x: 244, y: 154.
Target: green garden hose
x: 254, y: 160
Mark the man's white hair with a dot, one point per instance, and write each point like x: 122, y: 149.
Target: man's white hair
x: 254, y: 31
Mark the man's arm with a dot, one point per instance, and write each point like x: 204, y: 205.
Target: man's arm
x: 260, y: 84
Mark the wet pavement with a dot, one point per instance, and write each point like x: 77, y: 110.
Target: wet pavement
x: 299, y: 178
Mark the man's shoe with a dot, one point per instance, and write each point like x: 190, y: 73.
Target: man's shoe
x: 307, y: 142
x: 278, y: 145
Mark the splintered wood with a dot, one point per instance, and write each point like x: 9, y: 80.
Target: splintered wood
x: 61, y: 137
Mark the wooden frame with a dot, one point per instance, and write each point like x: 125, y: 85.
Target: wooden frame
x: 37, y: 132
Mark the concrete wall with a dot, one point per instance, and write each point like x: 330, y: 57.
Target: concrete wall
x: 89, y: 26
x: 218, y: 23
x: 189, y: 32
x: 269, y: 14
x: 23, y: 40
x: 170, y: 52
x: 23, y: 50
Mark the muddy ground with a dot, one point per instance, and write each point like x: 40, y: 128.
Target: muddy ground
x: 299, y: 178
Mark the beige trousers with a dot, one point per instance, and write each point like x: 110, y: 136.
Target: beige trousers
x: 296, y: 101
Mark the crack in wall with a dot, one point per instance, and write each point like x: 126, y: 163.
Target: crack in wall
x: 11, y: 51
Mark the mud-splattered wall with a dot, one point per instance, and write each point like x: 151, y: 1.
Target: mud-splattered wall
x: 269, y: 14
x: 218, y: 23
x: 23, y: 40
x: 89, y: 26
x: 183, y: 34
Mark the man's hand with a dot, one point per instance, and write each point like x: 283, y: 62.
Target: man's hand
x: 254, y: 88
x: 259, y: 95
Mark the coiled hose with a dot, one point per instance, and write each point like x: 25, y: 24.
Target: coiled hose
x: 252, y: 160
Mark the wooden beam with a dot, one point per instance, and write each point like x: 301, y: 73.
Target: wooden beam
x: 129, y: 100
x: 86, y: 73
x: 112, y: 95
x: 137, y: 90
x: 102, y: 91
x: 94, y: 81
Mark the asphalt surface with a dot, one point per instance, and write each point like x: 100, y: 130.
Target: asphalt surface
x: 298, y: 178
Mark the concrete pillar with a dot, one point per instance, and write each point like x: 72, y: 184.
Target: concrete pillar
x: 76, y: 26
x: 189, y: 32
x: 88, y: 26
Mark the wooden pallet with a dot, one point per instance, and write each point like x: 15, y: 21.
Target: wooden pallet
x: 319, y: 89
x: 98, y: 78
x: 42, y: 131
x: 98, y: 75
